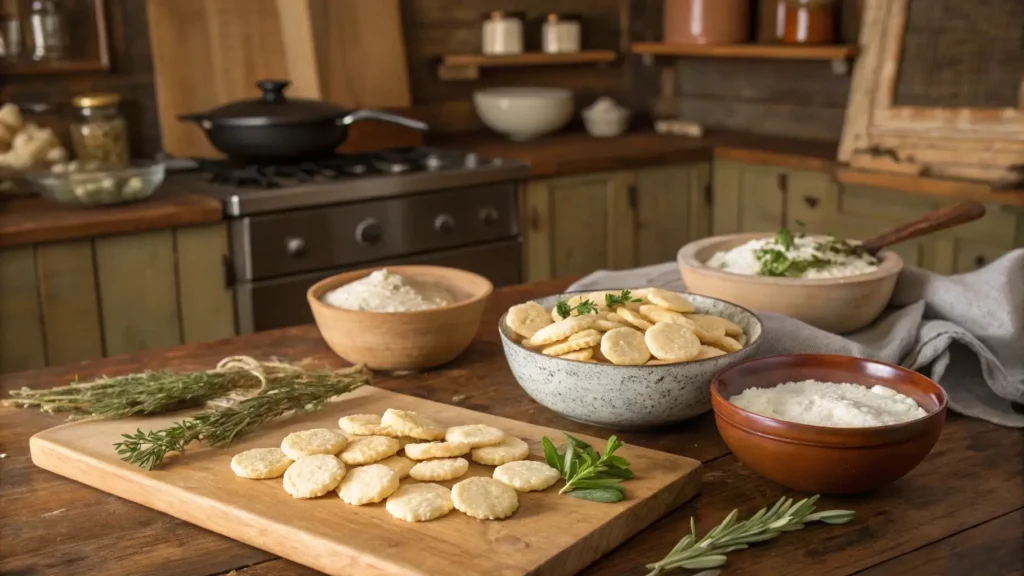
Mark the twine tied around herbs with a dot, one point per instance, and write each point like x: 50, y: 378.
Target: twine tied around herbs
x: 262, y: 371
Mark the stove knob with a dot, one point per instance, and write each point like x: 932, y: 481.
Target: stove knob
x: 295, y: 246
x: 369, y: 232
x: 444, y: 224
x: 488, y: 216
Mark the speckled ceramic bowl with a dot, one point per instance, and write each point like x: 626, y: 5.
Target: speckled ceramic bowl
x: 627, y: 397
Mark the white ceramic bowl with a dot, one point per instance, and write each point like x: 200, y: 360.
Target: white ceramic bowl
x: 606, y: 124
x: 627, y: 397
x: 524, y: 113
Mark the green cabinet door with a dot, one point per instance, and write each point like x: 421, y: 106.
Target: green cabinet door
x: 671, y: 207
x: 748, y: 198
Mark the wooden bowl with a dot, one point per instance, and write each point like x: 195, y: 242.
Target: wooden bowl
x: 403, y: 340
x: 837, y: 305
x: 822, y: 459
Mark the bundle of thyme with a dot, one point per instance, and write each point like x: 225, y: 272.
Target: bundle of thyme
x: 302, y: 391
x: 730, y: 535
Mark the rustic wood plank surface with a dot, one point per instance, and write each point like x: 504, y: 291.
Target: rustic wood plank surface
x: 34, y: 220
x: 927, y: 523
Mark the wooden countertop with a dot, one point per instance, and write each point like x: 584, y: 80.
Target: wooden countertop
x: 32, y: 219
x: 936, y: 520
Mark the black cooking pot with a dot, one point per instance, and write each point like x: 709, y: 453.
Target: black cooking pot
x: 274, y: 128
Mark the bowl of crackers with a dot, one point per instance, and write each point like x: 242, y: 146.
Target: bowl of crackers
x: 626, y: 359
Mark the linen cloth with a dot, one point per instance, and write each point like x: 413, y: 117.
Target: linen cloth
x: 965, y: 332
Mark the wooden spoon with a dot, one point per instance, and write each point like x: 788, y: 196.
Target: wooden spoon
x: 932, y: 222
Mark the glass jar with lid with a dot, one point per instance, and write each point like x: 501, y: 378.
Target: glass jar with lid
x: 810, y: 21
x: 561, y: 34
x: 47, y: 30
x: 503, y: 33
x: 100, y: 133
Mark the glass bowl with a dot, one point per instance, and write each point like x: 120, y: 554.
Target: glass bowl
x: 99, y: 186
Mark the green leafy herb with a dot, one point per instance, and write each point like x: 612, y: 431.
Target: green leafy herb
x: 729, y: 536
x: 785, y: 239
x: 586, y: 306
x: 775, y: 262
x: 589, y: 475
x: 620, y: 299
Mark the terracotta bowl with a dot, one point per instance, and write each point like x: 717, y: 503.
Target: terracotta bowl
x: 837, y: 305
x: 626, y: 397
x: 820, y: 459
x: 403, y: 340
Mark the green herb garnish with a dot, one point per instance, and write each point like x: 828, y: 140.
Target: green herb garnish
x: 584, y: 307
x: 589, y: 475
x: 785, y: 239
x: 563, y: 309
x: 729, y: 536
x: 620, y: 299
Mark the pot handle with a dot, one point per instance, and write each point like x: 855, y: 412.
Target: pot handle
x: 201, y: 119
x: 360, y: 115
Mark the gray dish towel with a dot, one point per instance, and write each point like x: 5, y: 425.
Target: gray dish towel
x: 966, y: 332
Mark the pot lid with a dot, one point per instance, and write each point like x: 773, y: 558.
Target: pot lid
x: 272, y: 107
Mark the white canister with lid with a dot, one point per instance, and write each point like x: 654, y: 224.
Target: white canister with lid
x: 561, y: 34
x: 502, y: 34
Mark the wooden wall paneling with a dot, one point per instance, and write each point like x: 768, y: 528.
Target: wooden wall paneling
x: 70, y: 305
x: 536, y: 224
x: 22, y: 341
x: 138, y: 292
x: 301, y: 24
x: 207, y: 304
x: 664, y: 212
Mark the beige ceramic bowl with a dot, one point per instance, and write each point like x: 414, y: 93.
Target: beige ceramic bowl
x: 403, y: 340
x: 524, y: 113
x: 837, y: 305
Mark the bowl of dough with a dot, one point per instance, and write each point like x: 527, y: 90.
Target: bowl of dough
x: 92, y: 184
x: 402, y: 318
x: 626, y: 359
x: 825, y: 281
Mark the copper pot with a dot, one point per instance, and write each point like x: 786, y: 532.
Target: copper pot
x: 707, y: 21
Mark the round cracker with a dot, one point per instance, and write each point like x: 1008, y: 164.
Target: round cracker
x: 427, y: 450
x: 509, y: 449
x: 562, y: 329
x: 526, y: 318
x: 672, y: 300
x: 420, y: 502
x: 439, y: 470
x: 741, y: 339
x: 260, y: 463
x: 656, y: 362
x: 727, y: 344
x: 369, y: 449
x: 730, y: 328
x: 625, y: 347
x: 316, y: 441
x: 585, y: 355
x: 712, y: 329
x: 364, y: 425
x: 527, y: 475
x: 407, y: 423
x: 399, y: 465
x: 485, y: 498
x: 368, y: 484
x: 476, y: 435
x: 708, y: 352
x: 313, y: 476
x: 603, y: 325
x: 633, y: 317
x: 670, y: 341
x: 658, y: 314
x: 578, y: 341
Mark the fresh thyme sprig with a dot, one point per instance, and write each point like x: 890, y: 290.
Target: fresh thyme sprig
x: 305, y: 391
x: 589, y: 475
x: 729, y: 536
x: 620, y: 299
x: 585, y: 306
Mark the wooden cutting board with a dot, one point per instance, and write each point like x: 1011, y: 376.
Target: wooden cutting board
x: 550, y: 534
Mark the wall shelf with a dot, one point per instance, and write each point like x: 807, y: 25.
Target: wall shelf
x: 30, y: 68
x: 838, y: 55
x: 467, y: 66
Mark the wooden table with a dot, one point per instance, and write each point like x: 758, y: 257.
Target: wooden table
x: 961, y: 512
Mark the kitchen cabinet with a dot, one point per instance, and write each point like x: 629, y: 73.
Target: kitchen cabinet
x: 748, y: 198
x: 64, y: 302
x: 610, y: 220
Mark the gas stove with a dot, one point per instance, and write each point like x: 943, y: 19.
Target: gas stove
x: 246, y: 189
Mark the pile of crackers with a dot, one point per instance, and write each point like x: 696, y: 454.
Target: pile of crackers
x: 653, y: 326
x: 361, y: 461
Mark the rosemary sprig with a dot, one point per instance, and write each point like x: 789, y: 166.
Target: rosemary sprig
x: 589, y: 475
x: 585, y: 306
x: 304, y: 391
x: 620, y: 299
x: 729, y: 536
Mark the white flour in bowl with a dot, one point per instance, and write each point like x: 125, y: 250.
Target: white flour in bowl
x: 830, y: 404
x: 383, y: 291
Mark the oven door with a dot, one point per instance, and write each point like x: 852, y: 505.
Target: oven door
x: 281, y: 302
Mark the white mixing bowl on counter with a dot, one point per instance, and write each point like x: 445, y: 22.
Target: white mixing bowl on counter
x: 524, y: 113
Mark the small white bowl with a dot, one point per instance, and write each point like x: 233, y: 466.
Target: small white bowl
x: 523, y: 113
x: 606, y: 124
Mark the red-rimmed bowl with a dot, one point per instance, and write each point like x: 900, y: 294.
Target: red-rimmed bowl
x: 820, y: 459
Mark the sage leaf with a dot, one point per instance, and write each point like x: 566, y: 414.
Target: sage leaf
x: 605, y: 483
x: 551, y: 454
x: 620, y: 473
x: 598, y: 494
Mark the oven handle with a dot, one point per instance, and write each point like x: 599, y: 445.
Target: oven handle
x: 229, y: 271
